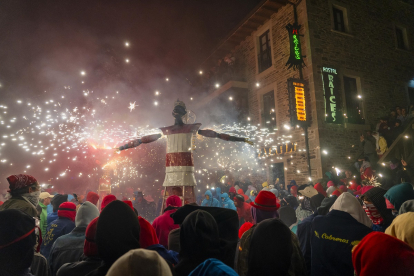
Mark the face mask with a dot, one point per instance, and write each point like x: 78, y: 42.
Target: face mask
x: 372, y: 213
x: 33, y: 198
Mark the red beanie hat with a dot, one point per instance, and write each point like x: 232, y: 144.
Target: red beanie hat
x: 337, y: 193
x: 174, y: 201
x: 320, y: 189
x: 232, y: 190
x: 343, y: 188
x: 67, y: 210
x: 106, y: 200
x: 382, y: 254
x: 265, y: 201
x: 1, y: 203
x: 90, y: 249
x: 129, y: 203
x: 294, y: 191
x: 147, y: 236
x: 92, y: 198
x: 246, y: 226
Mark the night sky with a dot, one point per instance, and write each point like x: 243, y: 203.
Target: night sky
x: 44, y: 47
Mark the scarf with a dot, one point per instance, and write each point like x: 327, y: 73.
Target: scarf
x: 32, y: 198
x: 373, y: 214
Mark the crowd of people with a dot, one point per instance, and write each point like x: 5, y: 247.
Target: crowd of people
x: 335, y: 227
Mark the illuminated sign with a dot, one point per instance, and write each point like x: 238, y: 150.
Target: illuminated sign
x: 276, y: 150
x: 297, y: 101
x: 332, y: 90
x: 295, y: 59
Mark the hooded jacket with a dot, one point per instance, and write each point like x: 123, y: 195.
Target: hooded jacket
x: 228, y: 226
x: 211, y: 202
x: 90, y: 261
x: 376, y: 196
x: 407, y: 206
x: 69, y: 248
x: 381, y: 254
x: 218, y: 193
x: 399, y: 194
x: 227, y: 202
x: 140, y: 262
x: 240, y: 192
x: 263, y: 259
x: 403, y: 228
x: 43, y: 218
x: 199, y: 241
x: 147, y: 236
x: 244, y: 212
x: 117, y: 232
x: 334, y: 235
x: 213, y: 267
x: 163, y: 225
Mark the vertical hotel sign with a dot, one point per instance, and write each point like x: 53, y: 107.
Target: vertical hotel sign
x: 332, y: 92
x: 295, y: 59
x: 297, y: 102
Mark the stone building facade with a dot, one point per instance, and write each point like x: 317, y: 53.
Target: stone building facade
x: 368, y: 44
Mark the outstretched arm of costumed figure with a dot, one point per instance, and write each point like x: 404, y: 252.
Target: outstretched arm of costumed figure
x: 212, y: 134
x: 142, y: 140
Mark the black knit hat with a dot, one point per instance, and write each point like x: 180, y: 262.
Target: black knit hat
x: 57, y: 200
x: 376, y: 196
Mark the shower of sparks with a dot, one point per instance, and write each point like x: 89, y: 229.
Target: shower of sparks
x: 132, y: 106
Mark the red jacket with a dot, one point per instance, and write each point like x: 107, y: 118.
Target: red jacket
x: 244, y: 212
x: 163, y: 225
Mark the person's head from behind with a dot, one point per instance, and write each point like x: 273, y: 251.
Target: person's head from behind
x: 23, y: 184
x: 271, y: 249
x: 403, y: 111
x: 238, y: 201
x: 140, y: 262
x: 199, y: 237
x: 57, y: 200
x: 90, y: 249
x: 118, y: 231
x: 17, y: 241
x: 265, y: 206
x: 382, y: 254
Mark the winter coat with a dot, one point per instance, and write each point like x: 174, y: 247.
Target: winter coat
x: 227, y: 202
x: 334, y: 235
x: 213, y: 267
x: 39, y: 265
x: 174, y: 240
x: 169, y: 256
x: 218, y: 193
x: 81, y: 268
x: 43, y: 219
x: 51, y: 217
x: 55, y: 229
x: 297, y: 266
x: 67, y: 249
x: 245, y: 213
x: 19, y: 203
x: 304, y: 233
x: 382, y: 144
x: 163, y: 225
x: 211, y: 202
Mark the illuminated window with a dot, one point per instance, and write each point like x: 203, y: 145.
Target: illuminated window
x: 354, y: 112
x: 401, y: 36
x: 264, y: 57
x: 269, y: 114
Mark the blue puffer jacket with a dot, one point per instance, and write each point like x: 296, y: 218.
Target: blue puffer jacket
x: 211, y: 202
x: 218, y: 194
x: 227, y: 202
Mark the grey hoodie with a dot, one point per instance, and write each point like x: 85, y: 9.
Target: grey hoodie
x: 86, y: 213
